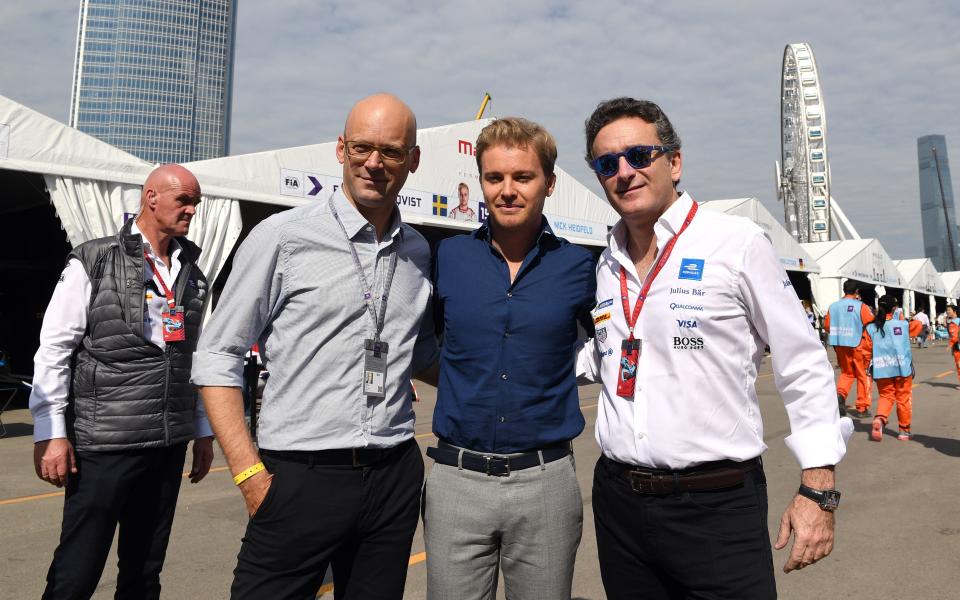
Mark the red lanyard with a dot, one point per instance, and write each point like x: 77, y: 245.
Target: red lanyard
x: 667, y: 250
x: 166, y: 291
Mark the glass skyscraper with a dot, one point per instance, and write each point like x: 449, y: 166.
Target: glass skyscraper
x: 154, y: 77
x: 937, y: 211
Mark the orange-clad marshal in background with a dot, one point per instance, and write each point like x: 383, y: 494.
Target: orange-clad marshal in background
x: 845, y: 323
x: 888, y: 343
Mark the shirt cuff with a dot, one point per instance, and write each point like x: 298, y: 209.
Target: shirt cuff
x: 216, y: 369
x: 820, y: 446
x: 202, y: 427
x: 48, y: 428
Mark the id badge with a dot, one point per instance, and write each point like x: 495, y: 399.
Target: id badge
x: 173, y: 329
x: 375, y: 368
x: 627, y: 376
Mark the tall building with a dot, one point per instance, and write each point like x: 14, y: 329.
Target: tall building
x: 937, y: 210
x: 154, y: 77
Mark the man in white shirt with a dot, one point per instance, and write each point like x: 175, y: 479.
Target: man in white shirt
x: 112, y: 403
x: 679, y: 492
x: 924, y: 336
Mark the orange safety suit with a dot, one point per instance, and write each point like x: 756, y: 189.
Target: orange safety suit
x: 897, y: 390
x: 954, y: 332
x: 854, y: 362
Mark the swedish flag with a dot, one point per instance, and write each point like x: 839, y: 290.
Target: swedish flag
x: 439, y: 205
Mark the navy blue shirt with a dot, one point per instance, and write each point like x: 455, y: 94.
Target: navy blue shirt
x: 507, y: 381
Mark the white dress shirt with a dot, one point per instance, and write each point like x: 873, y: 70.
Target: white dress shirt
x: 64, y: 325
x: 720, y: 298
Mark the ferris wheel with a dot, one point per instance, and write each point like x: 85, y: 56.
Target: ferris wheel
x: 803, y: 175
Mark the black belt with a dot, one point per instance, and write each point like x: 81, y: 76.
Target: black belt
x: 491, y: 464
x: 701, y: 478
x: 341, y: 457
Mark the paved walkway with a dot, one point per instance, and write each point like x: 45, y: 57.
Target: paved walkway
x: 898, y: 526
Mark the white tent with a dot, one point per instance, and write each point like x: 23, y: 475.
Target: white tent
x: 921, y: 277
x: 293, y: 176
x: 951, y: 282
x: 792, y: 255
x: 864, y: 260
x: 94, y: 185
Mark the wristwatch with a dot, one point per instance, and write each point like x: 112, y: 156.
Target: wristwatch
x: 828, y: 500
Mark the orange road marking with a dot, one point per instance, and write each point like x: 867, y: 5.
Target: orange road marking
x: 22, y: 499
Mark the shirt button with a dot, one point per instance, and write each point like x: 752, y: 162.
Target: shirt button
x: 506, y: 334
x: 641, y: 435
x: 503, y: 419
x: 509, y: 294
x: 503, y: 376
x: 369, y: 228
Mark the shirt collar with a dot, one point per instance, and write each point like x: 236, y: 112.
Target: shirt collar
x: 354, y: 222
x: 174, y: 244
x: 665, y: 228
x: 546, y: 232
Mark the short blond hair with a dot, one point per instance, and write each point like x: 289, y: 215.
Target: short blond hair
x: 517, y: 132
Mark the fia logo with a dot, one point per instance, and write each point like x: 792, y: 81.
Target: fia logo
x: 691, y: 268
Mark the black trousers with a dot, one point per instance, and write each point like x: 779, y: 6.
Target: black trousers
x: 136, y: 489
x: 361, y: 520
x: 691, y: 545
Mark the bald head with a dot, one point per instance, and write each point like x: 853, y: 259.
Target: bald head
x: 382, y: 111
x: 168, y: 201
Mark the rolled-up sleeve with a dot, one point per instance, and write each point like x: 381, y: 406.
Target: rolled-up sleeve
x: 250, y: 300
x: 802, y: 372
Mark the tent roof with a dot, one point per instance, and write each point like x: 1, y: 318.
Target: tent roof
x: 921, y: 276
x: 289, y: 175
x: 951, y: 281
x: 792, y: 256
x: 864, y: 260
x: 35, y: 143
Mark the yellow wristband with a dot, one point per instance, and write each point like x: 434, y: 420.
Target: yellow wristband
x: 248, y: 473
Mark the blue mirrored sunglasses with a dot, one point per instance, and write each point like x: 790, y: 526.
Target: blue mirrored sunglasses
x: 637, y: 157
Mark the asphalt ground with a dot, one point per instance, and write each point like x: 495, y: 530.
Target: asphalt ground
x: 898, y: 527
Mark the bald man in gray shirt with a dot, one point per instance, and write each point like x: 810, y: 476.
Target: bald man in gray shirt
x: 337, y: 294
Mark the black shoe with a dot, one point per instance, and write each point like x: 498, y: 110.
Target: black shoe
x: 860, y: 414
x: 842, y: 405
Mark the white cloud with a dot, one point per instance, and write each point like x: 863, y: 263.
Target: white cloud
x: 890, y: 72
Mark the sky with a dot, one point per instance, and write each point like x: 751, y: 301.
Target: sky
x: 890, y: 72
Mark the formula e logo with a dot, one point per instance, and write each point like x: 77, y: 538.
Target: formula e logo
x: 691, y: 268
x: 684, y: 324
x: 687, y: 343
x: 898, y: 331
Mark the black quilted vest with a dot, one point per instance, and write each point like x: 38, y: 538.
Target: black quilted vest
x: 127, y: 393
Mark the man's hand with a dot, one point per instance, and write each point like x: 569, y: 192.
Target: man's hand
x: 202, y: 458
x: 54, y: 461
x: 813, y: 527
x: 255, y: 490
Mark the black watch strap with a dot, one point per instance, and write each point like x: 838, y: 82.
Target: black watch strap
x: 828, y: 500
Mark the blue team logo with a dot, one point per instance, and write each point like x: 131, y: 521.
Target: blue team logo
x: 898, y: 331
x: 602, y: 334
x: 850, y: 308
x: 691, y: 268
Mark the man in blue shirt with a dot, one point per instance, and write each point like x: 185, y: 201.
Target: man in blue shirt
x: 503, y: 490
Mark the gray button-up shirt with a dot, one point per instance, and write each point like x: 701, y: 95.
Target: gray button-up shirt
x: 294, y: 289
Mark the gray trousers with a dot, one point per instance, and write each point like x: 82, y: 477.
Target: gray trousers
x: 529, y: 522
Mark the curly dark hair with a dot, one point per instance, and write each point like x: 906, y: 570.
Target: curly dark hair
x: 609, y: 111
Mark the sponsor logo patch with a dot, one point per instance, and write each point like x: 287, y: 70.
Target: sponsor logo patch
x: 602, y: 334
x: 676, y: 306
x: 787, y: 283
x: 686, y: 324
x: 601, y: 318
x: 687, y: 343
x: 691, y: 268
x: 898, y: 331
x: 605, y: 303
x: 606, y: 353
x: 849, y: 309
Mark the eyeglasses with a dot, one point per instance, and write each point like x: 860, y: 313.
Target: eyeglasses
x: 363, y: 150
x: 637, y: 157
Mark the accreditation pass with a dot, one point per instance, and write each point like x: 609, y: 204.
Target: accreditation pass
x: 374, y: 368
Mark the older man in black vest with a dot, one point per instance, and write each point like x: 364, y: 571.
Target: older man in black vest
x: 112, y: 402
